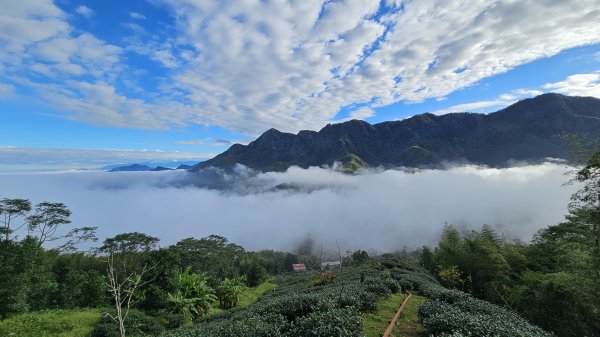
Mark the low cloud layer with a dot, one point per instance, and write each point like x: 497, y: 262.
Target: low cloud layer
x: 21, y: 159
x: 381, y: 210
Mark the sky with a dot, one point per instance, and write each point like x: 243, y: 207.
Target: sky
x: 89, y: 83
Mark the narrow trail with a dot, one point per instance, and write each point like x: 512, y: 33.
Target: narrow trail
x: 388, y: 331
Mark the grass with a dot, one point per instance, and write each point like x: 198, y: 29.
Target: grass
x: 249, y: 295
x: 408, y: 324
x: 51, y: 323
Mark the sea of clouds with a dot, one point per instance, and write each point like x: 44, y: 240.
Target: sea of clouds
x: 382, y: 210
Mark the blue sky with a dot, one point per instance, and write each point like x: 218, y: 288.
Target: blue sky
x: 124, y: 81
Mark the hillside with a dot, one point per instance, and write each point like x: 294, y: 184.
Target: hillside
x: 525, y: 131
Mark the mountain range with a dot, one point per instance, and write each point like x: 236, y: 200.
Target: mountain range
x: 530, y: 130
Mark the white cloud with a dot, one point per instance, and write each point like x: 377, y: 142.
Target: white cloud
x: 6, y: 90
x: 85, y: 11
x: 19, y: 159
x: 498, y: 103
x: 361, y: 113
x: 207, y: 141
x: 249, y: 66
x: 296, y: 69
x: 578, y: 85
x: 138, y: 16
x: 383, y: 210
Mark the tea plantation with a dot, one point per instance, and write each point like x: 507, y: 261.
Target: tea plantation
x: 303, y: 306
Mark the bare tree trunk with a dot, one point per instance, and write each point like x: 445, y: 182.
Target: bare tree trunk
x: 123, y: 292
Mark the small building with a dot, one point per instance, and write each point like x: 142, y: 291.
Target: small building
x: 299, y: 267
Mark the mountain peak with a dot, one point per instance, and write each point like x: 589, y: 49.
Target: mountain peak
x: 525, y: 131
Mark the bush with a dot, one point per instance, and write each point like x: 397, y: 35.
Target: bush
x: 271, y: 325
x: 345, y: 322
x: 377, y: 286
x: 299, y: 308
x: 137, y: 324
x: 66, y: 323
x: 322, y: 279
x: 449, y: 313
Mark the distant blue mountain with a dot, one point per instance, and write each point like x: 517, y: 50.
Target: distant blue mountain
x: 150, y: 166
x: 130, y: 168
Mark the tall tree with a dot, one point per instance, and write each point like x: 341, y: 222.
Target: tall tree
x: 126, y: 271
x: 585, y: 205
x: 10, y: 210
x: 47, y: 218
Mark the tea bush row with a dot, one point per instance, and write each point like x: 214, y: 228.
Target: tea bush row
x: 299, y: 308
x: 451, y: 312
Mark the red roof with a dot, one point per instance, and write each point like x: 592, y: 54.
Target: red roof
x: 299, y: 267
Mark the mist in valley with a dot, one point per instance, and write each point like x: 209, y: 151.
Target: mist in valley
x: 381, y: 210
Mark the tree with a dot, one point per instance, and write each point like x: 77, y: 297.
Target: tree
x: 229, y: 291
x: 359, y: 257
x: 585, y: 205
x: 124, y: 291
x: 126, y: 272
x: 47, y: 218
x: 427, y: 259
x: 11, y: 209
x: 193, y: 297
x: 213, y: 255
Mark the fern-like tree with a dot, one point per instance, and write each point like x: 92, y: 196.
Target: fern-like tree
x: 229, y: 291
x: 193, y: 297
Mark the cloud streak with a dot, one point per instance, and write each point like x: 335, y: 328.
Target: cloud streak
x: 19, y: 159
x: 383, y: 210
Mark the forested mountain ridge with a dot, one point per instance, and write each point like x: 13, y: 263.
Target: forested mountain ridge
x: 529, y: 130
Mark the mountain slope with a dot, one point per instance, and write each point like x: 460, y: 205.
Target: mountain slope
x: 525, y: 131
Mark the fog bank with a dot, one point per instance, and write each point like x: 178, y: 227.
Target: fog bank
x: 381, y: 210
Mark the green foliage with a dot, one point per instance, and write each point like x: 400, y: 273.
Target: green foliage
x: 47, y: 217
x: 10, y: 211
x: 256, y: 274
x: 193, y: 297
x: 322, y: 278
x: 359, y: 257
x: 160, y: 280
x: 137, y: 324
x: 229, y: 291
x: 296, y: 308
x: 53, y: 323
x: 471, y: 317
x: 343, y: 322
x: 250, y: 295
x: 213, y: 255
x: 569, y: 297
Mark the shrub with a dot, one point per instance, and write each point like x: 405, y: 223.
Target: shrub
x: 450, y: 313
x: 137, y: 324
x: 377, y: 286
x: 322, y: 279
x: 345, y: 322
x: 270, y: 325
